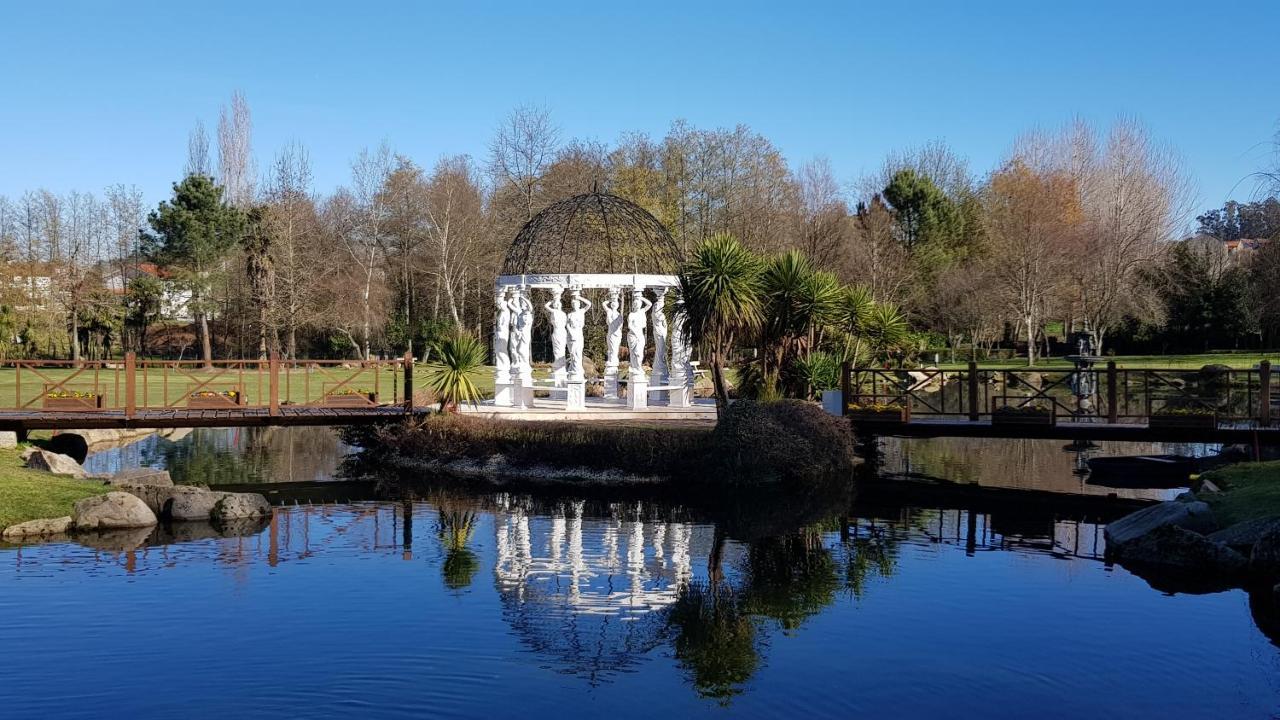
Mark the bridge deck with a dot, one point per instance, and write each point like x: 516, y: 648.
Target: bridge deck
x: 186, y: 417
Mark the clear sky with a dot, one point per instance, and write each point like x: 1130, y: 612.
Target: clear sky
x: 96, y: 93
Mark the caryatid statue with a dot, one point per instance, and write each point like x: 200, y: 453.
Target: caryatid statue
x: 613, y: 339
x: 659, y: 335
x: 576, y: 321
x: 680, y: 354
x: 635, y: 331
x: 522, y: 335
x: 555, y: 308
x: 502, y: 337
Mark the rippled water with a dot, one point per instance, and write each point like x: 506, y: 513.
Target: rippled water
x: 483, y: 604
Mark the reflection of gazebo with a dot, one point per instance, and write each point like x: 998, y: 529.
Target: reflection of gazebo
x: 591, y: 241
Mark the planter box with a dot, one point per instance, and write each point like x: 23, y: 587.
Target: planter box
x: 357, y: 400
x: 214, y: 402
x: 1007, y: 419
x: 73, y: 403
x: 1183, y: 422
x: 894, y: 416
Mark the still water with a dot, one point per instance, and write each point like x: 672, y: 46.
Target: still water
x: 475, y: 603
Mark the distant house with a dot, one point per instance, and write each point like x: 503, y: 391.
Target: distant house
x: 175, y: 301
x: 32, y: 288
x: 1240, y: 250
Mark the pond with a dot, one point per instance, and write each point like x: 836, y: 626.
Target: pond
x: 465, y: 602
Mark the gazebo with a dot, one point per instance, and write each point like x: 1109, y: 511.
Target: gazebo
x: 593, y: 241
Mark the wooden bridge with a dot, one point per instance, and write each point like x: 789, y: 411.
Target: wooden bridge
x: 1211, y: 405
x: 137, y: 393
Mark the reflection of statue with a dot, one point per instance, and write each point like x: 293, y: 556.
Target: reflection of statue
x: 577, y: 319
x: 659, y: 335
x: 613, y: 341
x: 502, y: 337
x: 636, y: 320
x: 556, y: 310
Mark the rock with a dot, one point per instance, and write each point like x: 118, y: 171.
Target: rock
x: 1194, y: 516
x: 239, y: 506
x: 1186, y: 497
x: 1265, y: 557
x: 38, y: 528
x: 112, y: 511
x: 1177, y: 548
x: 1207, y: 486
x: 184, y: 502
x: 142, y: 476
x: 55, y: 463
x: 8, y: 439
x: 27, y: 452
x: 1243, y: 536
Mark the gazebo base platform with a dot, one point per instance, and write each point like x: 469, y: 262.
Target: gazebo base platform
x: 596, y: 410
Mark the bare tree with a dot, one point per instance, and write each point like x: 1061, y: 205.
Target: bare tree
x: 198, y: 151
x: 825, y: 219
x: 455, y: 210
x: 361, y: 220
x: 294, y: 227
x: 522, y: 150
x: 235, y: 152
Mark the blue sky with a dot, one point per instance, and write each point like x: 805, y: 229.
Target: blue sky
x: 95, y: 94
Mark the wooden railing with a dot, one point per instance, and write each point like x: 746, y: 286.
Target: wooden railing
x: 132, y: 385
x: 1239, y: 397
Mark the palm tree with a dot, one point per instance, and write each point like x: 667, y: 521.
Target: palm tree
x: 452, y: 374
x: 720, y: 287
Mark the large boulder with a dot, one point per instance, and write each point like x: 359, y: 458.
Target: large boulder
x: 55, y: 463
x: 184, y: 502
x: 1194, y: 515
x: 1265, y: 558
x: 8, y: 439
x: 240, y: 506
x: 142, y: 476
x: 1243, y: 536
x: 38, y: 528
x: 112, y: 511
x: 1175, y: 548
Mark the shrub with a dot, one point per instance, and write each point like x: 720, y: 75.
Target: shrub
x: 788, y: 440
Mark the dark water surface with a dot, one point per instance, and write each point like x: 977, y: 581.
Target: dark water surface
x: 466, y: 603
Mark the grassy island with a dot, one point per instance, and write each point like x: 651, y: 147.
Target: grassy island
x: 1249, y: 491
x: 30, y: 494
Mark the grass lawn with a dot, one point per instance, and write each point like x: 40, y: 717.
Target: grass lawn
x: 1242, y: 360
x: 1249, y: 491
x: 30, y: 494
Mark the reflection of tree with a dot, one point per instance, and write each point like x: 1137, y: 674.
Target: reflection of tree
x: 789, y: 578
x: 715, y: 639
x: 868, y: 556
x: 454, y: 528
x: 248, y: 455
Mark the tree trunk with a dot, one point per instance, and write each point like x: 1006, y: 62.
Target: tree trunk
x: 206, y: 344
x: 1031, y: 340
x: 717, y: 378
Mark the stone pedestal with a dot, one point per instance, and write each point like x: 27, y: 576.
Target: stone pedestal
x: 682, y: 396
x: 576, y: 395
x: 611, y: 384
x: 560, y: 376
x: 524, y: 395
x: 638, y: 393
x: 504, y: 394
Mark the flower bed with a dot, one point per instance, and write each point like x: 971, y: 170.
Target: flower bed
x: 215, y: 399
x: 67, y: 400
x: 1183, y: 419
x: 1027, y: 415
x: 350, y: 397
x: 877, y: 414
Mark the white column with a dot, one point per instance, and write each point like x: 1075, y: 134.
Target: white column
x: 613, y: 341
x: 576, y: 321
x: 501, y: 348
x: 660, y: 375
x: 637, y: 380
x: 681, y: 371
x: 555, y: 309
x: 524, y: 331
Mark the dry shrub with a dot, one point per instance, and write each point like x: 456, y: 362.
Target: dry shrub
x: 787, y: 440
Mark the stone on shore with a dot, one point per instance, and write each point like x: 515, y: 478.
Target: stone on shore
x: 1265, y: 558
x: 8, y: 439
x: 1193, y: 515
x: 1244, y: 535
x: 43, y: 527
x: 185, y: 502
x: 142, y: 476
x: 112, y: 511
x: 240, y: 506
x: 55, y: 463
x: 1171, y: 547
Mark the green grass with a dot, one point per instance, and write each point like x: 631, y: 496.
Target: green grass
x: 30, y: 494
x: 1249, y: 491
x: 1243, y: 360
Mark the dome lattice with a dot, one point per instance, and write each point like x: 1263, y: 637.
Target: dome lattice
x: 593, y: 233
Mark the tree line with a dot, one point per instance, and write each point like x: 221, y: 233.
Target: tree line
x: 1074, y: 227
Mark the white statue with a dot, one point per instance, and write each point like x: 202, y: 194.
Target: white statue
x: 680, y: 355
x: 577, y: 320
x: 522, y: 336
x: 636, y: 320
x: 555, y: 308
x: 502, y: 337
x: 613, y: 340
x: 659, y: 335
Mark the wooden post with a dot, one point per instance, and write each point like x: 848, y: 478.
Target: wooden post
x: 408, y: 382
x: 130, y: 385
x: 845, y: 387
x: 273, y: 365
x: 1264, y: 393
x: 973, y: 391
x: 1113, y: 393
